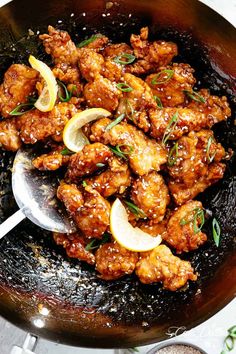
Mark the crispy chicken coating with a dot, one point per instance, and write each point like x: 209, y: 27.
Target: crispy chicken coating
x: 70, y: 76
x: 160, y: 265
x: 150, y: 55
x: 144, y: 154
x: 184, y: 227
x: 114, y: 180
x: 74, y: 245
x: 51, y: 161
x: 90, y: 63
x: 86, y: 161
x: 35, y: 125
x: 60, y: 46
x: 136, y: 103
x: 151, y: 195
x: 152, y: 228
x: 18, y: 83
x: 89, y: 210
x: 114, y: 50
x: 9, y: 135
x: 169, y: 83
x: 102, y: 93
x: 196, y: 165
x: 114, y: 261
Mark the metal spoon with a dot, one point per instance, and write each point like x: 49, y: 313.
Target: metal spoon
x: 35, y: 194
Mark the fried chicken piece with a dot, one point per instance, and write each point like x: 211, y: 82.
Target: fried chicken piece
x: 90, y: 63
x: 169, y: 83
x: 215, y: 108
x: 9, y: 135
x: 196, y: 165
x: 184, y: 227
x: 59, y: 45
x: 115, y: 50
x: 51, y: 161
x: 35, y: 125
x: 71, y: 196
x: 85, y: 161
x: 102, y: 93
x: 112, y: 71
x: 136, y: 103
x: 151, y: 195
x: 70, y: 76
x: 74, y: 245
x: 150, y: 55
x: 18, y: 83
x: 144, y: 154
x: 114, y: 261
x: 160, y: 265
x: 98, y: 43
x: 152, y: 228
x: 114, y: 180
x: 181, y: 193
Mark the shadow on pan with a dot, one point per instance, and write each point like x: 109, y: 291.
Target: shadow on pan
x: 43, y: 291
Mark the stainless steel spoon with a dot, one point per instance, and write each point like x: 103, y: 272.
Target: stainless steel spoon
x: 35, y: 194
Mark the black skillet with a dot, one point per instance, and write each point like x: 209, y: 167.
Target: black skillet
x: 43, y: 291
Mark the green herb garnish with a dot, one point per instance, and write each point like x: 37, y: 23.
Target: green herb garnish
x: 170, y: 128
x: 95, y: 243
x: 159, y: 79
x: 173, y: 155
x: 99, y: 164
x: 158, y: 101
x: 129, y: 110
x: 119, y: 59
x: 122, y: 86
x: 216, y: 231
x: 20, y: 109
x: 115, y: 122
x: 210, y: 158
x: 135, y: 210
x: 117, y: 151
x: 89, y: 40
x: 84, y: 184
x: 195, y: 96
x: 229, y: 341
x: 198, y: 214
x: 67, y: 152
x: 66, y: 94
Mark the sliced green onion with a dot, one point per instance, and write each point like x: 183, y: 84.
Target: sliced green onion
x: 216, y: 231
x: 130, y: 59
x: 117, y: 151
x: 128, y: 106
x: 158, y: 101
x: 19, y: 110
x: 99, y: 164
x: 67, y: 94
x: 115, y: 122
x: 195, y: 96
x: 229, y: 343
x: 173, y: 155
x: 89, y: 40
x: 232, y: 331
x: 122, y: 86
x: 95, y: 243
x: 170, y: 128
x: 32, y: 99
x: 84, y: 184
x: 135, y: 210
x: 210, y: 158
x: 198, y: 214
x: 67, y: 152
x: 168, y: 74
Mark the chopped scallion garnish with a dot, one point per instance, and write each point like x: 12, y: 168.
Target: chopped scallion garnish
x: 162, y: 77
x: 21, y: 109
x: 198, y: 215
x: 158, y: 101
x: 99, y: 164
x: 195, y: 96
x: 67, y: 152
x: 115, y: 122
x: 122, y: 86
x: 84, y: 184
x: 66, y: 94
x: 89, y: 40
x: 135, y: 210
x: 216, y: 231
x: 170, y: 128
x: 121, y: 59
x: 117, y: 150
x: 173, y: 155
x: 210, y: 158
x: 229, y: 341
x: 129, y: 110
x: 95, y: 243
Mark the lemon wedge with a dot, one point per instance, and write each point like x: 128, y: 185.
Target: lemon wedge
x: 132, y: 238
x: 73, y: 138
x: 48, y: 96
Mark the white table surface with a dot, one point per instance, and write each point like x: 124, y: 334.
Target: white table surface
x: 209, y: 335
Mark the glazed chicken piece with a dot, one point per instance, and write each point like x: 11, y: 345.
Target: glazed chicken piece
x: 114, y: 261
x: 150, y: 55
x: 98, y: 44
x: 51, y: 161
x: 35, y: 125
x: 114, y: 180
x: 89, y: 209
x: 196, y: 165
x: 18, y: 83
x: 74, y: 245
x: 136, y: 103
x: 184, y: 227
x: 86, y: 161
x: 169, y: 83
x: 114, y: 50
x: 70, y: 76
x: 160, y: 265
x: 152, y: 228
x: 144, y: 154
x: 102, y: 93
x: 9, y: 135
x: 150, y: 194
x: 176, y: 122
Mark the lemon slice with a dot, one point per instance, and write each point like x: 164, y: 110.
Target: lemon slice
x: 74, y: 139
x: 132, y: 238
x: 48, y: 96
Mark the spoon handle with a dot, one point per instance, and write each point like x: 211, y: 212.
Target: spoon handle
x: 11, y: 222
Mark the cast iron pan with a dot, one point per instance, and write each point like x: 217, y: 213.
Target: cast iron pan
x: 43, y: 291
